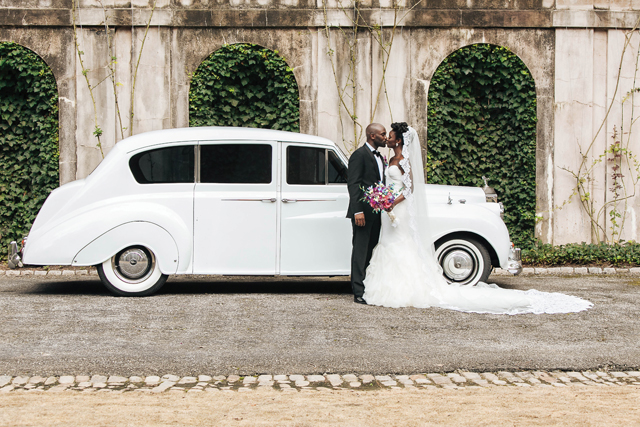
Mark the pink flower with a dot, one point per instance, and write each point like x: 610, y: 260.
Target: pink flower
x: 379, y: 197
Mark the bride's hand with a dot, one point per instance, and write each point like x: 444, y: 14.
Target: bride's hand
x: 396, y: 201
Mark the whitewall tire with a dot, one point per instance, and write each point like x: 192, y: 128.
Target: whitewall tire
x: 132, y: 272
x: 464, y: 261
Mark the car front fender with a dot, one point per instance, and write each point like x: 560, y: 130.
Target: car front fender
x: 471, y: 218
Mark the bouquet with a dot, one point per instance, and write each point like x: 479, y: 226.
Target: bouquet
x: 381, y: 197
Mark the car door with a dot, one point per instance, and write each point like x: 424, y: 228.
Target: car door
x: 315, y: 236
x: 235, y: 215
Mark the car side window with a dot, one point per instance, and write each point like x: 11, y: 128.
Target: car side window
x: 164, y: 165
x: 314, y: 166
x: 337, y: 170
x: 305, y: 165
x: 236, y: 163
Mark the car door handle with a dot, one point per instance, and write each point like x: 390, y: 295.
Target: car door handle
x: 289, y: 200
x: 271, y: 200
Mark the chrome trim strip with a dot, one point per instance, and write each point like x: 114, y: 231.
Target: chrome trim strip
x: 326, y: 166
x: 196, y: 162
x: 316, y: 200
x: 308, y: 200
x: 273, y: 199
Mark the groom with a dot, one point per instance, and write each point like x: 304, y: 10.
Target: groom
x: 366, y: 168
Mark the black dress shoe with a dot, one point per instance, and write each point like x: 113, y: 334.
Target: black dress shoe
x: 359, y: 300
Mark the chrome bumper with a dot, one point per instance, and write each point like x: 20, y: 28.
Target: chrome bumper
x: 514, y: 262
x: 14, y: 256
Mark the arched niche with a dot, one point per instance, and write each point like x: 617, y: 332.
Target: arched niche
x: 56, y: 47
x: 191, y: 46
x: 244, y: 84
x: 536, y: 48
x: 29, y: 166
x: 482, y: 122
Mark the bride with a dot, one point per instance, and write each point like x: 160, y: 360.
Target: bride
x: 403, y: 271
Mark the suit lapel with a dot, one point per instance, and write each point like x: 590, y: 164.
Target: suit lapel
x: 370, y: 154
x: 374, y: 163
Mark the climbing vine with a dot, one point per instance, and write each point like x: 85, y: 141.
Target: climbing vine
x: 110, y: 67
x: 482, y: 121
x: 244, y: 85
x: 348, y: 86
x: 28, y: 139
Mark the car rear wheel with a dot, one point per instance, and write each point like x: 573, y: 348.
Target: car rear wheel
x: 132, y: 272
x: 464, y: 261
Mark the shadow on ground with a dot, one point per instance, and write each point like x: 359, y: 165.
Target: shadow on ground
x: 200, y: 286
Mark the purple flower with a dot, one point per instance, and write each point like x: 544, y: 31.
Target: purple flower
x: 379, y: 196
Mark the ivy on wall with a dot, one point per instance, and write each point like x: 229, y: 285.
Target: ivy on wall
x: 28, y: 139
x: 244, y: 85
x: 482, y: 121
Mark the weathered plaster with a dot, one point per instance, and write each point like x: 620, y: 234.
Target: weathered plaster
x: 571, y: 47
x: 588, y: 105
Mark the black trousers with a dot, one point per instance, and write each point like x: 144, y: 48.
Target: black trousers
x: 364, y: 240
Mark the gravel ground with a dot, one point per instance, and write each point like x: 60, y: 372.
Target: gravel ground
x: 222, y: 325
x: 597, y: 406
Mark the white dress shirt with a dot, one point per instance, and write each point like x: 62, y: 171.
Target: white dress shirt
x: 378, y: 160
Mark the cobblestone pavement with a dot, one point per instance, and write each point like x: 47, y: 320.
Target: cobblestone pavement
x: 296, y: 383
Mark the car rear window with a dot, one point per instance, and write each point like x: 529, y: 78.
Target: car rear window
x: 164, y: 165
x: 236, y: 163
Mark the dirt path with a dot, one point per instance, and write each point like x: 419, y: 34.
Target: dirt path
x: 573, y: 406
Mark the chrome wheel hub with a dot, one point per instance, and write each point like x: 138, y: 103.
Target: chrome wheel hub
x: 457, y: 264
x: 133, y: 264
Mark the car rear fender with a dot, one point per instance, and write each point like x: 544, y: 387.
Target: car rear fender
x: 135, y: 233
x: 61, y: 241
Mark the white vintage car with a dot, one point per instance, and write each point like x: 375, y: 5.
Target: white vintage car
x: 236, y: 201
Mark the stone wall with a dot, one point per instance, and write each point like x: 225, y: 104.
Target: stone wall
x: 573, y: 49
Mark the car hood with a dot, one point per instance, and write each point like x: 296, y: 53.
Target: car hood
x: 438, y: 194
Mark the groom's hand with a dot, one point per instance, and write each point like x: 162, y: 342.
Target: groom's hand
x: 359, y: 217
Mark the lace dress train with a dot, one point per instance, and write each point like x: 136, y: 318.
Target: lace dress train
x: 397, y: 276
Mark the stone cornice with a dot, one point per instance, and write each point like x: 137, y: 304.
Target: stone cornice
x: 311, y: 17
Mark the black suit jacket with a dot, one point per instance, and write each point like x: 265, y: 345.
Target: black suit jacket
x: 363, y: 173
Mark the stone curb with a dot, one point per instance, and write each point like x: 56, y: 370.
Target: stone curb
x: 535, y: 271
x: 569, y: 271
x: 297, y: 383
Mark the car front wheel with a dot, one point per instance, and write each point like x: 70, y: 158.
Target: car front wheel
x: 132, y: 272
x: 464, y: 261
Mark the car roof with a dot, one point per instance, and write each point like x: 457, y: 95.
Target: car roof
x: 214, y: 133
x: 190, y: 135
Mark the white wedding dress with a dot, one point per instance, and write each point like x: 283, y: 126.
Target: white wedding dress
x: 399, y: 276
